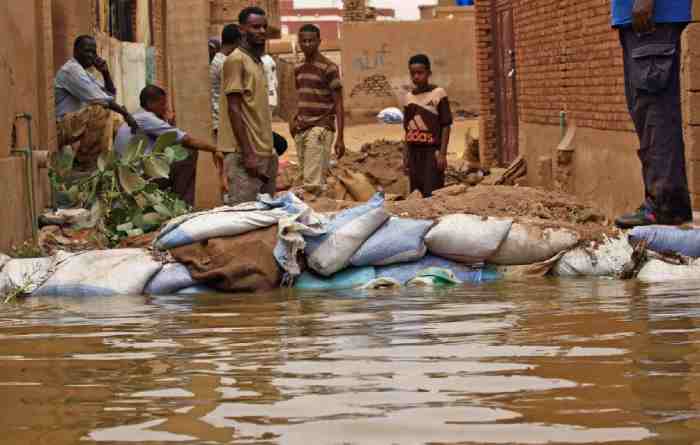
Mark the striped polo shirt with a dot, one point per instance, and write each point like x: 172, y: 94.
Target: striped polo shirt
x: 315, y: 82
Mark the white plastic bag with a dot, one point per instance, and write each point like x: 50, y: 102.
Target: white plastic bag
x: 468, y: 239
x: 391, y: 115
x: 531, y: 243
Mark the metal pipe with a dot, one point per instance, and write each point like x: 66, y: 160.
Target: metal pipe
x: 562, y: 124
x: 28, y: 153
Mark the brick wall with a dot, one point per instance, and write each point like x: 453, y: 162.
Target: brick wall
x: 487, y: 83
x: 355, y: 11
x: 567, y: 59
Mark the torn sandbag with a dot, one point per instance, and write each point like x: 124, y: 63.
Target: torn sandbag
x: 244, y: 263
x: 381, y: 284
x: 665, y: 239
x: 399, y: 240
x: 434, y: 277
x: 23, y: 275
x: 172, y: 278
x: 226, y: 221
x: 100, y: 273
x: 606, y: 259
x: 357, y: 184
x: 346, y: 232
x: 406, y: 271
x: 532, y: 243
x: 656, y: 270
x: 468, y: 239
x: 349, y: 278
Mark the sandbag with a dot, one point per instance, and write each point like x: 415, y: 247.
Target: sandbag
x: 606, y: 259
x: 346, y: 232
x: 198, y: 289
x: 407, y: 271
x: 357, y: 184
x: 391, y: 115
x: 172, y: 278
x: 399, y: 240
x: 665, y: 239
x: 660, y: 271
x: 217, y: 224
x: 530, y: 243
x: 347, y: 279
x: 100, y: 273
x: 24, y: 274
x: 468, y: 239
x: 244, y: 263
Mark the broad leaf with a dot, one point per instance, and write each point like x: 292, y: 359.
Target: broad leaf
x: 164, y: 141
x: 141, y: 201
x: 176, y: 153
x: 125, y: 227
x: 151, y: 221
x: 156, y: 167
x: 135, y: 149
x: 135, y: 232
x: 163, y: 211
x: 130, y: 181
x: 104, y: 162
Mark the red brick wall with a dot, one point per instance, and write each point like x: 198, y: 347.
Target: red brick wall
x: 487, y: 84
x: 568, y: 59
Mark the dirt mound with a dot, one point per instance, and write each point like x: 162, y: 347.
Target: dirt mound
x: 548, y: 208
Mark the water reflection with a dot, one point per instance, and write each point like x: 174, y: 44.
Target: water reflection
x: 594, y: 361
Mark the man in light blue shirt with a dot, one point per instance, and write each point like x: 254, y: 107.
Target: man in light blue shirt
x: 83, y: 104
x: 650, y: 34
x: 155, y: 120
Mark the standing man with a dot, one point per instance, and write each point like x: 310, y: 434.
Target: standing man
x: 230, y: 39
x: 155, y: 119
x: 245, y: 129
x: 83, y: 105
x: 650, y: 34
x: 320, y: 106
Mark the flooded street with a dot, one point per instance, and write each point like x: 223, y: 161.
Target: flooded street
x: 533, y: 363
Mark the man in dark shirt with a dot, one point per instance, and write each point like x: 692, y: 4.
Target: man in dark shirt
x: 650, y: 33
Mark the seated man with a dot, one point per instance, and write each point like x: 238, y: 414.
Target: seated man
x: 154, y: 120
x: 83, y: 105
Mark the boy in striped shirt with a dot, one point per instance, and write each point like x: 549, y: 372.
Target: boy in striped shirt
x: 320, y: 109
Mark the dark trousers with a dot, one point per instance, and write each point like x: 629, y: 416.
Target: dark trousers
x: 652, y: 87
x: 423, y: 171
x: 183, y: 178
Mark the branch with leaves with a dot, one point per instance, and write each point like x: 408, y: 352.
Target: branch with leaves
x: 123, y: 195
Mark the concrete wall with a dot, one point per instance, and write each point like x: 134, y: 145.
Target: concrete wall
x: 187, y: 27
x: 605, y: 168
x: 375, y: 62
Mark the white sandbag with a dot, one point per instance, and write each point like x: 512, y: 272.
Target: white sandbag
x: 391, y: 115
x: 606, y: 259
x: 468, y: 239
x: 655, y: 271
x: 399, y: 240
x: 24, y: 274
x: 4, y: 259
x: 100, y: 273
x: 346, y: 232
x: 171, y: 279
x: 531, y: 243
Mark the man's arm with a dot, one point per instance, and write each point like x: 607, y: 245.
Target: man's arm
x: 444, y: 144
x: 197, y: 144
x: 340, y: 118
x: 103, y: 68
x: 235, y: 112
x: 643, y: 16
x: 128, y: 118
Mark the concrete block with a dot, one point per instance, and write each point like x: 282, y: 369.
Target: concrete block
x: 690, y: 72
x: 15, y: 219
x: 691, y: 36
x: 691, y: 108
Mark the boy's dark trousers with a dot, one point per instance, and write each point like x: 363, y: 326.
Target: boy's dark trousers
x: 652, y: 88
x: 423, y: 171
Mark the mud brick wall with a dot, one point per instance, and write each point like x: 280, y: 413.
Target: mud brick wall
x: 224, y: 12
x: 355, y: 10
x: 691, y: 102
x: 485, y: 64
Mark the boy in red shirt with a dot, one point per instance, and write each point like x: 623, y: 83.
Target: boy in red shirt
x: 428, y: 122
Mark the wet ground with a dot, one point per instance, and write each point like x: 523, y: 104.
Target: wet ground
x: 533, y: 363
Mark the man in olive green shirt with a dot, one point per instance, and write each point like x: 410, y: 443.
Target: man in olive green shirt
x: 245, y: 128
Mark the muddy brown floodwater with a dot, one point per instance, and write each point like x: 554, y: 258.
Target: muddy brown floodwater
x: 540, y: 362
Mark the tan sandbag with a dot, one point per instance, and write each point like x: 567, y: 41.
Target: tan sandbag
x: 337, y: 191
x: 243, y: 263
x: 358, y: 184
x: 529, y: 243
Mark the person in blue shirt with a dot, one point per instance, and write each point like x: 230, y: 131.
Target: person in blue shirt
x: 650, y: 34
x: 154, y: 120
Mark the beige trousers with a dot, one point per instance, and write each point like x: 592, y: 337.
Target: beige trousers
x: 314, y: 152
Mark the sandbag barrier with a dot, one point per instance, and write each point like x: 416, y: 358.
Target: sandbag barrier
x: 274, y: 242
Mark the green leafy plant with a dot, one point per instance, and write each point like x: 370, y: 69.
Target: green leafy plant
x: 123, y: 195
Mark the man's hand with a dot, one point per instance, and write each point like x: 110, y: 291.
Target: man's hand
x: 643, y: 16
x: 250, y: 163
x: 441, y: 159
x: 223, y: 178
x: 340, y: 148
x: 131, y: 122
x: 101, y: 65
